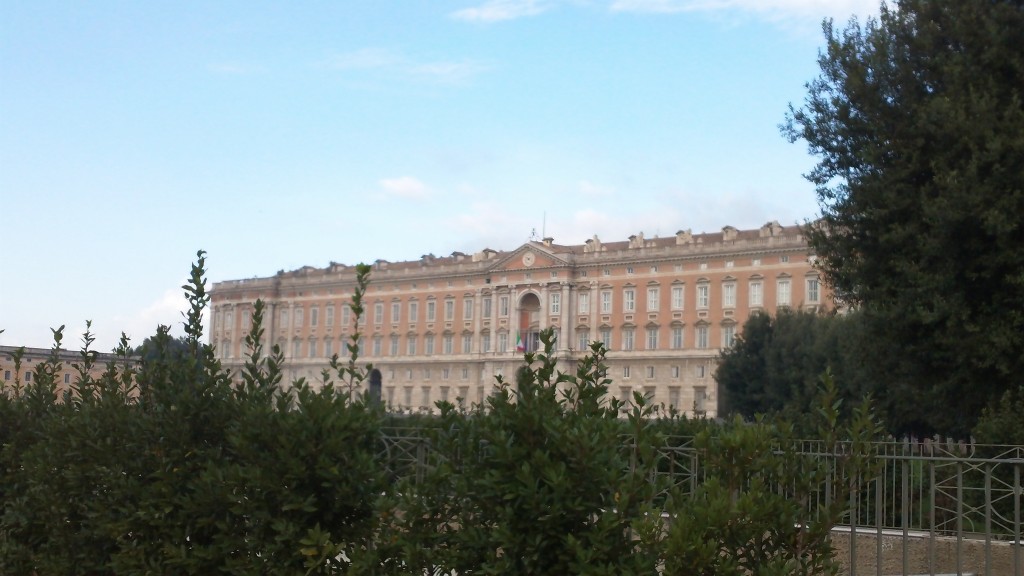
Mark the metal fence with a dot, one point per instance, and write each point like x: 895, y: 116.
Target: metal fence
x: 941, y: 505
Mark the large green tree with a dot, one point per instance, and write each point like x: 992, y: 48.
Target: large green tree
x: 917, y: 121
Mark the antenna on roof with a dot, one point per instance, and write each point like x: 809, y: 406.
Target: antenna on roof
x: 544, y: 226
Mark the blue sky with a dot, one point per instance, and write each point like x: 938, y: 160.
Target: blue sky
x: 276, y: 135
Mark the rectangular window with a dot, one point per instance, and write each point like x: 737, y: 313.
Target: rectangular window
x: 449, y: 309
x: 700, y: 399
x: 729, y: 295
x: 28, y: 376
x: 426, y: 373
x: 431, y: 310
x: 653, y: 298
x: 298, y: 317
x: 230, y: 322
x: 728, y: 335
x: 314, y: 316
x: 296, y: 349
x: 556, y: 303
x: 703, y: 295
x: 467, y: 343
x: 782, y: 293
x: 701, y: 371
x: 428, y: 344
x: 756, y: 297
x: 627, y: 339
x: 346, y: 315
x: 67, y: 378
x: 675, y: 371
x: 394, y: 345
x: 813, y: 292
x: 584, y: 339
x: 583, y: 303
x: 328, y: 348
x: 377, y: 340
x: 606, y: 338
x: 673, y: 397
x: 677, y: 297
x: 652, y: 339
x: 414, y: 312
x: 407, y: 392
x: 486, y: 343
x: 447, y: 341
x: 284, y: 318
x: 425, y: 402
x: 606, y: 301
x: 677, y: 337
x: 312, y: 348
x: 701, y: 337
x: 445, y: 373
x: 502, y: 342
x: 329, y: 315
x: 246, y: 319
x: 396, y: 312
x: 625, y: 391
x: 503, y: 306
x: 650, y: 372
x: 464, y: 392
x: 410, y: 345
x: 467, y: 308
x: 487, y: 306
x: 378, y: 313
x: 628, y: 300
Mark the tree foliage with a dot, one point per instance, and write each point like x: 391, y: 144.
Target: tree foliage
x: 917, y: 120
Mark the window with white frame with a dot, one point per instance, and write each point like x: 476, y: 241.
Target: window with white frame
x: 677, y: 297
x: 673, y: 396
x: 467, y: 343
x: 467, y: 308
x: 346, y: 315
x: 488, y: 302
x: 583, y: 339
x: 445, y: 374
x: 677, y: 337
x: 606, y: 301
x: 298, y: 317
x: 329, y: 315
x: 701, y: 336
x: 756, y: 293
x: 701, y: 371
x: 314, y: 316
x: 394, y: 345
x: 284, y: 318
x: 328, y: 347
x: 556, y: 303
x: 813, y: 290
x: 410, y: 345
x: 428, y: 344
x: 296, y: 349
x: 703, y: 295
x: 675, y: 371
x: 414, y: 312
x: 652, y: 338
x: 728, y: 335
x: 583, y: 303
x: 627, y: 339
x: 606, y: 338
x: 312, y: 349
x: 449, y: 309
x: 783, y: 293
x: 628, y: 300
x: 653, y: 298
x: 246, y: 319
x: 396, y: 312
x: 729, y: 295
x: 700, y: 398
x: 378, y: 313
x: 377, y: 345
x: 502, y: 341
x: 431, y: 310
x: 425, y: 391
x: 485, y: 342
x: 650, y: 372
x: 447, y: 342
x: 503, y: 306
x: 625, y: 390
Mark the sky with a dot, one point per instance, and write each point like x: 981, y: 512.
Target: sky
x: 275, y: 135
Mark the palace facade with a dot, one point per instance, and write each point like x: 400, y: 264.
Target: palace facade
x: 442, y: 328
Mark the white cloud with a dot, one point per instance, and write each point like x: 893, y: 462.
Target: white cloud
x: 404, y: 187
x: 166, y: 310
x: 498, y: 10
x: 839, y: 9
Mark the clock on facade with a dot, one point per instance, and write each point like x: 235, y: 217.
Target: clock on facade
x: 529, y: 259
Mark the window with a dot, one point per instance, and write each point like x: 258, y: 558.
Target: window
x: 230, y: 322
x: 346, y: 315
x: 673, y: 396
x: 447, y: 342
x: 675, y: 371
x: 700, y: 397
x: 487, y: 306
x: 652, y: 339
x: 284, y: 318
x: 728, y: 335
x: 583, y: 337
x: 654, y: 269
x: 328, y: 348
x: 628, y: 300
x: 467, y: 308
x: 428, y: 344
x: 503, y: 342
x: 377, y: 345
x: 67, y: 378
x: 246, y: 319
x: 756, y: 296
x: 296, y: 349
x: 396, y: 312
x: 625, y: 374
x: 431, y: 310
x: 728, y: 263
x: 503, y: 306
x: 394, y: 345
x: 486, y: 343
x: 702, y: 336
x: 465, y: 376
x: 556, y: 303
x: 755, y: 262
x: 701, y: 371
x: 606, y: 301
x: 329, y: 315
x: 606, y: 338
x: 606, y: 272
x: 782, y: 293
x: 629, y: 269
x: 784, y: 259
x: 414, y: 312
x: 425, y: 402
x: 449, y: 309
x: 28, y: 376
x: 7, y: 374
x: 677, y: 297
x: 298, y: 317
x: 445, y: 372
x: 677, y: 337
x: 407, y: 392
x: 653, y: 296
x: 410, y: 345
x: 703, y: 265
x: 378, y: 313
x: 703, y: 295
x: 650, y: 371
x: 813, y: 292
x: 583, y: 303
x: 729, y: 295
x: 314, y: 316
x: 426, y: 373
x: 467, y: 343
x: 627, y: 339
x: 312, y: 348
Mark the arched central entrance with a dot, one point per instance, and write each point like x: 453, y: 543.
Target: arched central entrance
x: 528, y: 330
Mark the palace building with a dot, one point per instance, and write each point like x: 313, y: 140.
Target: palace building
x: 442, y: 328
